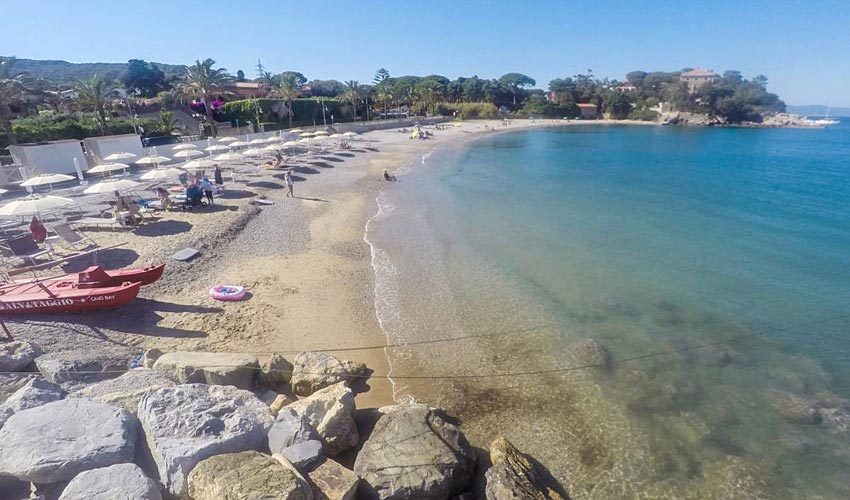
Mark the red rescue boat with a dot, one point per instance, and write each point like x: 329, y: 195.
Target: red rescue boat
x: 57, y: 296
x: 96, y: 277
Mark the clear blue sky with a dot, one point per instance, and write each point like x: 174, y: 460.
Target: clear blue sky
x: 802, y: 46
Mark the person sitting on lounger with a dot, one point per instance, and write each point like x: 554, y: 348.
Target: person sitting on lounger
x: 126, y: 204
x: 164, y: 198
x: 194, y: 195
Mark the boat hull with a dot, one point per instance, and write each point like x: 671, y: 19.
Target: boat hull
x: 96, y: 277
x: 64, y: 297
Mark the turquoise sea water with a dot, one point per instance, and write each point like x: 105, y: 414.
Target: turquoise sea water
x: 648, y: 240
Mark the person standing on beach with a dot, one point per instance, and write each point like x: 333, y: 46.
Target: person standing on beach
x: 208, y: 189
x: 287, y: 177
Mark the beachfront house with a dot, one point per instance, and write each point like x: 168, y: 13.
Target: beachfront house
x: 698, y: 77
x: 588, y: 111
x: 246, y: 90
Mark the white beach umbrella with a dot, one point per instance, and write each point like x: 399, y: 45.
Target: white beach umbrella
x: 184, y: 147
x: 258, y: 140
x: 350, y: 134
x: 46, y: 179
x: 335, y: 136
x: 153, y: 160
x: 33, y: 205
x: 289, y: 144
x: 307, y: 134
x: 119, y: 156
x: 159, y: 174
x: 202, y: 163
x: 107, y: 167
x: 230, y: 157
x: 304, y: 140
x: 295, y: 131
x: 217, y: 148
x: 253, y: 152
x: 272, y: 148
x: 227, y: 139
x: 320, y: 132
x: 188, y: 153
x: 111, y: 186
x: 238, y: 144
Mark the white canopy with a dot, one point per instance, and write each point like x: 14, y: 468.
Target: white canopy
x: 44, y: 179
x: 217, y: 147
x: 253, y: 152
x: 159, y: 174
x: 230, y: 157
x: 227, y: 139
x: 202, y: 163
x: 153, y: 160
x: 320, y: 132
x: 238, y: 144
x: 184, y: 147
x: 107, y: 167
x: 119, y: 156
x: 33, y: 205
x: 188, y: 153
x: 258, y: 140
x: 350, y: 134
x: 111, y: 186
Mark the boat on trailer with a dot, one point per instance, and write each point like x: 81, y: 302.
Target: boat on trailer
x: 63, y: 296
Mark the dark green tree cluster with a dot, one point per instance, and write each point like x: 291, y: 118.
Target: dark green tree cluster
x: 144, y: 79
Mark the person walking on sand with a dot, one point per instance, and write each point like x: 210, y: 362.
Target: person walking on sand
x: 287, y: 177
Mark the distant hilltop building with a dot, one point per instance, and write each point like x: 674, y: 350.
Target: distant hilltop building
x: 697, y: 77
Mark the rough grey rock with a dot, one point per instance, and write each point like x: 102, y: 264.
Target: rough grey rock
x: 512, y: 476
x: 267, y: 397
x: 150, y: 356
x: 36, y: 392
x: 292, y: 436
x: 280, y: 402
x: 414, y: 452
x: 214, y: 368
x: 303, y: 454
x: 245, y: 475
x: 120, y: 481
x: 126, y: 390
x: 315, y: 370
x: 330, y: 412
x: 56, y: 441
x: 71, y: 369
x: 11, y: 382
x: 17, y: 355
x: 185, y: 424
x: 332, y: 481
x: 276, y: 373
x: 592, y: 353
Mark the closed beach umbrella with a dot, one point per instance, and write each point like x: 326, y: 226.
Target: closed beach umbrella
x: 153, y: 160
x: 253, y: 152
x: 108, y: 167
x: 46, y: 179
x: 202, y: 163
x: 217, y: 148
x: 159, y: 174
x: 230, y: 157
x: 119, y: 156
x: 188, y: 153
x: 111, y: 186
x: 184, y: 147
x: 33, y: 205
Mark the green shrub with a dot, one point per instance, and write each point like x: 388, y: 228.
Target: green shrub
x: 57, y: 127
x: 646, y: 115
x: 466, y: 110
x: 305, y: 111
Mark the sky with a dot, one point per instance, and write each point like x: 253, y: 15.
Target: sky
x: 802, y: 46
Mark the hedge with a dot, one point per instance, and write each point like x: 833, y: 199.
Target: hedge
x: 57, y: 127
x: 305, y: 111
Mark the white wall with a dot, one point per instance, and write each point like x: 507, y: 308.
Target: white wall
x: 101, y: 147
x: 51, y: 158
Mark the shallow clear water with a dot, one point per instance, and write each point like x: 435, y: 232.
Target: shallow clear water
x: 648, y: 240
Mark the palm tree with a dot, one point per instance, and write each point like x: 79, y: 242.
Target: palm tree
x: 15, y: 91
x: 93, y: 93
x: 286, y: 92
x: 352, y: 95
x: 166, y: 124
x: 204, y: 80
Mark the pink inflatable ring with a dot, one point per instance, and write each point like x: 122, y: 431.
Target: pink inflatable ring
x: 228, y: 292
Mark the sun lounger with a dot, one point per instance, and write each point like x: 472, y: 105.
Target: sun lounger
x: 99, y: 222
x: 25, y: 248
x: 72, y: 237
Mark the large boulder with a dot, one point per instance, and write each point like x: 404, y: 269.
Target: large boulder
x: 331, y: 412
x: 332, y: 481
x: 11, y: 382
x: 293, y: 437
x: 36, y: 392
x: 316, y: 370
x: 17, y: 355
x: 512, y: 476
x: 280, y: 401
x: 185, y: 424
x: 276, y: 373
x: 126, y: 390
x: 245, y: 475
x: 71, y: 369
x: 414, y: 452
x: 120, y: 481
x: 56, y: 441
x: 214, y: 368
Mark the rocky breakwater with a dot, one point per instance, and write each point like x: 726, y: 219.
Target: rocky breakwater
x: 162, y: 430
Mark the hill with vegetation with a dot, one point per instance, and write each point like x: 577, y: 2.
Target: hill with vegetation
x: 64, y: 72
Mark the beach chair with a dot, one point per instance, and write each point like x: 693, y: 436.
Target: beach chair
x: 72, y: 237
x: 27, y: 249
x: 110, y: 222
